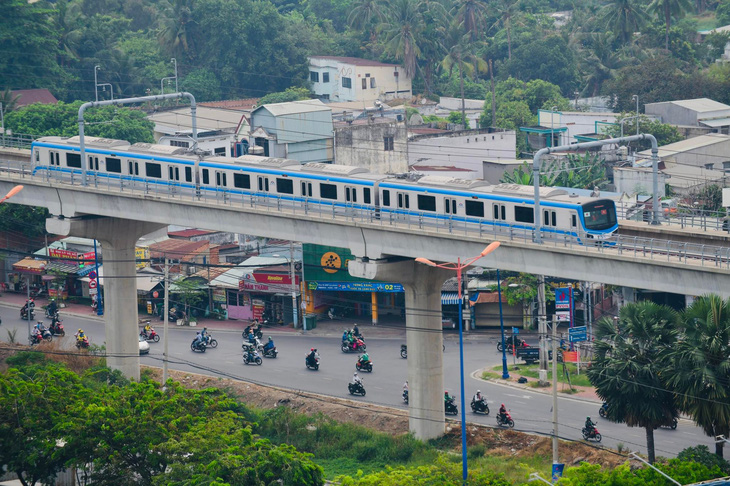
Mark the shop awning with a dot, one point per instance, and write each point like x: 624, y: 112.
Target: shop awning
x: 60, y: 267
x: 485, y: 298
x: 29, y: 265
x: 449, y: 298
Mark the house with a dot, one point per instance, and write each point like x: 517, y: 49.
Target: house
x: 494, y: 169
x: 711, y: 151
x: 725, y: 29
x: 299, y: 130
x: 354, y: 79
x: 218, y: 129
x: 188, y: 253
x: 699, y: 112
x: 30, y: 96
x: 376, y: 143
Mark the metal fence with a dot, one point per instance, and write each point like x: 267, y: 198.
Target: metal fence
x: 265, y: 202
x: 682, y: 217
x: 16, y: 140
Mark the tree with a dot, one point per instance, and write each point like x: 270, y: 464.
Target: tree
x: 175, y: 19
x: 461, y: 54
x: 545, y: 58
x: 663, y: 132
x: 582, y: 172
x: 471, y: 15
x: 189, y: 294
x: 600, y: 65
x: 506, y: 11
x: 623, y: 18
x: 29, y: 220
x: 203, y: 84
x: 401, y: 30
x: 8, y: 100
x: 699, y: 371
x: 722, y: 13
x: 631, y: 355
x: 32, y: 402
x: 670, y: 8
x: 290, y: 94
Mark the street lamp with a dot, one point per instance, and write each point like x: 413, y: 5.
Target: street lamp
x: 96, y: 84
x: 459, y: 266
x: 636, y: 97
x: 505, y: 373
x: 12, y: 192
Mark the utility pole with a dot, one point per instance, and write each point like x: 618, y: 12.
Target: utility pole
x: 542, y: 330
x: 174, y: 61
x: 96, y: 84
x: 167, y: 318
x: 295, y: 310
x: 636, y: 97
x: 555, y: 391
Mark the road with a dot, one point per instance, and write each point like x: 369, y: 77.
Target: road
x: 531, y: 411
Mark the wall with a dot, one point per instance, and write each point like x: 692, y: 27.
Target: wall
x: 487, y: 315
x: 363, y: 146
x: 493, y: 171
x: 715, y: 154
x: 387, y: 86
x: 209, y: 144
x: 465, y: 149
x: 633, y: 181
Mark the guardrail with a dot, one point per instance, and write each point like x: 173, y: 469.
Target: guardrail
x: 682, y: 217
x: 619, y: 245
x: 16, y: 141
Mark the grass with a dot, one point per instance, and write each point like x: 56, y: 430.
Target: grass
x: 533, y: 371
x: 487, y: 375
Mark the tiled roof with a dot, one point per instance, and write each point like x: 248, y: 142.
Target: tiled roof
x: 355, y: 61
x: 211, y: 273
x: 244, y: 104
x: 176, y: 249
x: 189, y: 233
x: 29, y: 264
x: 30, y: 96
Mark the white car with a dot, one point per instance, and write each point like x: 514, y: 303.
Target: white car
x: 144, y: 346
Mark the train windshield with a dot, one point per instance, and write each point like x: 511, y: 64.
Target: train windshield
x: 599, y: 215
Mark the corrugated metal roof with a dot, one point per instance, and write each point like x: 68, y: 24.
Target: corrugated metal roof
x: 230, y: 278
x: 701, y: 104
x: 294, y: 107
x: 716, y: 122
x: 689, y: 144
x: 180, y: 120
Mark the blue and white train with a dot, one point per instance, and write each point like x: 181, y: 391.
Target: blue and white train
x: 430, y: 200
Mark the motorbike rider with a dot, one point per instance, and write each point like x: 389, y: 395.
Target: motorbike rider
x: 502, y: 413
x: 250, y: 353
x: 405, y: 389
x: 147, y: 330
x: 204, y: 334
x: 356, y: 330
x: 356, y: 380
x: 28, y: 304
x: 477, y: 397
x: 269, y: 344
x: 312, y: 356
x: 80, y: 336
x: 52, y: 308
x: 448, y: 398
x: 590, y: 425
x: 198, y: 339
x: 344, y: 335
x: 364, y: 359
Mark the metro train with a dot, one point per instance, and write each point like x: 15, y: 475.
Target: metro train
x: 430, y: 200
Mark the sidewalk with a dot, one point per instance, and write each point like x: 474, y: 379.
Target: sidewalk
x: 584, y: 393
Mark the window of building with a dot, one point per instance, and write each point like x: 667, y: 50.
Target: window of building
x: 346, y: 83
x: 153, y: 170
x: 284, y: 186
x: 364, y: 83
x: 219, y: 151
x: 113, y: 165
x: 388, y: 144
x: 426, y: 203
x: 314, y: 76
x: 179, y: 143
x: 524, y: 214
x: 328, y: 191
x: 242, y: 181
x: 710, y: 166
x: 474, y: 208
x: 325, y: 77
x: 372, y: 83
x: 73, y: 160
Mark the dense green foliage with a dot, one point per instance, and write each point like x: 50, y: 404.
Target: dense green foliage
x: 582, y: 172
x: 682, y: 471
x: 241, y: 48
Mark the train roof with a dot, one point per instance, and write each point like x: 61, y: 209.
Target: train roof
x: 451, y: 182
x: 152, y: 148
x: 528, y: 191
x: 96, y: 142
x: 333, y: 169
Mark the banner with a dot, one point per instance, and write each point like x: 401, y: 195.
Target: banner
x: 366, y: 286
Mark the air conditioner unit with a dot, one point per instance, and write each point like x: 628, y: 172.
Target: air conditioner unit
x: 192, y: 270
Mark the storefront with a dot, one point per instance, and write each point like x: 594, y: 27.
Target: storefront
x: 27, y: 270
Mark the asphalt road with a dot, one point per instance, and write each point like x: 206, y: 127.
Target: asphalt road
x: 531, y: 411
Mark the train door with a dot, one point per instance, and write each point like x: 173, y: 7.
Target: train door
x: 263, y: 188
x: 173, y: 176
x: 306, y: 193
x: 133, y: 167
x: 350, y: 199
x: 450, y: 209
x: 403, y: 203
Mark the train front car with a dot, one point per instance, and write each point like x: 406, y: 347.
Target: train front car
x: 599, y: 218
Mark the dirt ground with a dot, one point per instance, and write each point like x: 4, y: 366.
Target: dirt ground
x: 499, y: 442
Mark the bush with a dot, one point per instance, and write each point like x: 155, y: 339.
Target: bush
x: 702, y: 455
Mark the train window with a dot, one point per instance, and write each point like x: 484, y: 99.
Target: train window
x: 354, y: 195
x: 574, y: 220
x: 504, y: 212
x: 449, y: 206
x: 366, y: 195
x: 133, y: 168
x: 347, y: 194
x: 153, y: 170
x: 113, y: 165
x: 524, y: 214
x: 188, y: 174
x: 403, y: 201
x: 474, y: 208
x: 242, y: 181
x: 500, y: 211
x: 386, y: 198
x: 37, y: 156
x: 284, y: 186
x: 73, y: 160
x: 426, y: 203
x: 400, y: 200
x: 206, y: 176
x: 554, y: 217
x: 327, y: 191
x: 453, y: 206
x: 93, y: 163
x: 546, y: 218
x: 171, y: 172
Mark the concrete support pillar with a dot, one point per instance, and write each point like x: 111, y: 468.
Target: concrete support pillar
x: 374, y: 308
x: 118, y: 237
x: 423, y: 336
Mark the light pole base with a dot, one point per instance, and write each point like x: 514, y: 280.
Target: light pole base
x: 543, y: 378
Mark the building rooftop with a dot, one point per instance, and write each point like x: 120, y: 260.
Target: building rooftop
x: 688, y: 145
x: 294, y: 107
x: 230, y: 278
x: 176, y: 249
x: 426, y: 131
x: 179, y: 120
x: 700, y: 105
x: 242, y: 104
x: 439, y: 168
x: 502, y: 161
x: 30, y: 96
x: 189, y: 233
x: 355, y: 61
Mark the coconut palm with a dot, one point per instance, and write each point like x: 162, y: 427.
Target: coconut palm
x: 174, y: 34
x: 461, y: 54
x: 471, y: 14
x: 630, y: 356
x: 700, y: 368
x: 601, y: 63
x: 623, y: 18
x: 366, y: 14
x: 401, y: 29
x: 506, y: 11
x: 669, y: 9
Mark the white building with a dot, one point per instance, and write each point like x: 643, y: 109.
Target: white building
x: 354, y: 79
x: 711, y: 152
x: 700, y: 112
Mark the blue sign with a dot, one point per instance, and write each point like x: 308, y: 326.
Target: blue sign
x: 557, y: 471
x: 515, y: 330
x: 356, y: 286
x: 577, y: 334
x: 562, y: 298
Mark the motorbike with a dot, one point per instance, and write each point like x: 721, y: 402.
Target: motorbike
x: 257, y: 332
x: 56, y: 326
x: 405, y: 397
x: 356, y: 389
x: 51, y: 313
x: 450, y: 407
x: 603, y: 411
x: 24, y: 312
x: 152, y: 336
x: 39, y: 338
x: 312, y: 365
x: 480, y: 406
x: 591, y: 434
x: 334, y: 314
x: 46, y: 334
x: 209, y: 341
x: 356, y: 347
x: 82, y: 343
x: 198, y: 345
x: 359, y: 366
x: 404, y: 351
x: 520, y: 343
x: 672, y: 426
x: 270, y: 352
x: 253, y: 357
x: 506, y: 420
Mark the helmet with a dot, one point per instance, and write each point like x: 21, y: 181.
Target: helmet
x: 270, y: 338
x: 315, y: 350
x: 588, y: 418
x: 479, y: 391
x: 503, y: 404
x: 312, y: 349
x: 81, y: 330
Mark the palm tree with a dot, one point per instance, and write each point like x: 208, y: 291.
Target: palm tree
x: 623, y: 18
x: 700, y: 368
x: 174, y: 34
x: 461, y: 54
x: 669, y: 8
x: 67, y: 20
x: 506, y: 11
x: 8, y: 100
x: 401, y: 29
x: 471, y: 14
x: 366, y: 14
x: 601, y: 63
x: 630, y: 356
